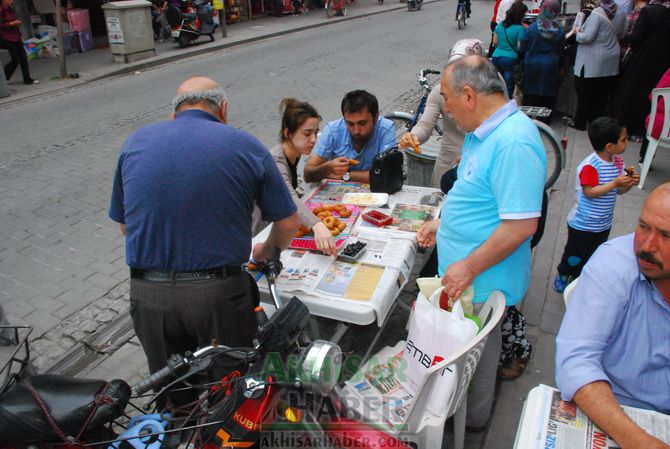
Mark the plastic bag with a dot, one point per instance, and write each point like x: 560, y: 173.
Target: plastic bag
x: 435, y: 334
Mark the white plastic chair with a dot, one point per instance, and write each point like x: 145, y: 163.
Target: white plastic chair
x: 567, y: 293
x: 425, y: 428
x: 664, y: 138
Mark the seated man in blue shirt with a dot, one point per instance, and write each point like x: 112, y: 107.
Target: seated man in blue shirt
x: 613, y: 345
x: 347, y: 146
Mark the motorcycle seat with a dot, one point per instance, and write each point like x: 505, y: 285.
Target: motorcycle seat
x: 69, y: 402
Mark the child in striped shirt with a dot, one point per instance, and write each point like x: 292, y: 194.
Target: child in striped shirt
x: 600, y: 178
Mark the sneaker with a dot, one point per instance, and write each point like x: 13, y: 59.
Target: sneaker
x: 31, y: 82
x: 560, y: 282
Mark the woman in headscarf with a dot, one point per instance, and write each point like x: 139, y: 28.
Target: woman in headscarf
x: 650, y: 46
x: 542, y: 44
x: 597, y: 61
x: 452, y: 137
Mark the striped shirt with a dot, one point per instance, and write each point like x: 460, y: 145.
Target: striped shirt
x: 595, y: 214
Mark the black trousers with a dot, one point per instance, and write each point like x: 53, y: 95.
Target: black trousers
x: 18, y: 55
x: 593, y: 96
x: 172, y: 318
x: 578, y: 250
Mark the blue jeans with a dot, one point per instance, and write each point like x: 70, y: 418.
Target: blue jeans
x: 504, y: 64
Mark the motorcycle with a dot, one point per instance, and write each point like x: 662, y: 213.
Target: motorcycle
x: 198, y: 20
x: 286, y: 395
x: 414, y: 4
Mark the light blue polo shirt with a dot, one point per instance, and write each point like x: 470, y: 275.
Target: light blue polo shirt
x: 335, y: 141
x: 501, y: 176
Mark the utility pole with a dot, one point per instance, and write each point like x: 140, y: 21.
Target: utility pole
x: 220, y: 6
x: 59, y: 41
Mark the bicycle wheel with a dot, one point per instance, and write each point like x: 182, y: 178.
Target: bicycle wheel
x: 328, y: 6
x: 554, y: 152
x: 461, y: 18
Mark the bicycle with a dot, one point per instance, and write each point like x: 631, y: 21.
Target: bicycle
x: 287, y: 393
x: 554, y: 146
x: 461, y: 14
x: 405, y: 121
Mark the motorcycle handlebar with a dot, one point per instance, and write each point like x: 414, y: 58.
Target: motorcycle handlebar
x: 175, y: 363
x: 178, y: 364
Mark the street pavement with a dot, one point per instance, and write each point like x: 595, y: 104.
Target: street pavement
x: 62, y: 266
x: 98, y: 64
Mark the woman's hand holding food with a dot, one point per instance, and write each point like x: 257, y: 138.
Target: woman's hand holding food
x: 408, y: 140
x: 324, y: 239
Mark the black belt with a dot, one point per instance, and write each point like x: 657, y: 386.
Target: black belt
x: 176, y: 276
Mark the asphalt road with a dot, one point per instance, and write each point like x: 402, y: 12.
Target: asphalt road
x: 62, y: 266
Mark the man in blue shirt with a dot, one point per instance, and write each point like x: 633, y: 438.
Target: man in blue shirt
x: 184, y: 193
x: 614, y: 343
x: 346, y: 147
x: 492, y: 210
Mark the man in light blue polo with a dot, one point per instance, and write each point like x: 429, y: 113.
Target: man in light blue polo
x: 346, y: 147
x: 492, y: 210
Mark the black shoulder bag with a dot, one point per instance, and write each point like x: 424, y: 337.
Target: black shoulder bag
x: 517, y: 68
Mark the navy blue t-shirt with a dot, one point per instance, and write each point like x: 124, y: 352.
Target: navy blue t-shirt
x: 186, y: 190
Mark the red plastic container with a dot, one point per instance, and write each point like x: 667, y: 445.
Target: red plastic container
x: 377, y: 218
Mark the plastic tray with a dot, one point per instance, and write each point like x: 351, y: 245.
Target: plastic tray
x: 377, y: 218
x: 355, y: 257
x: 365, y: 199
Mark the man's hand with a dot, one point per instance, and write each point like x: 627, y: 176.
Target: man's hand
x: 427, y: 233
x: 408, y: 140
x: 338, y: 167
x: 599, y: 403
x: 457, y: 278
x: 16, y: 23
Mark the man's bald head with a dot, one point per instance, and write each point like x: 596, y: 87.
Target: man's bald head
x: 201, y: 93
x: 475, y: 71
x: 197, y: 83
x: 660, y: 196
x: 652, y: 238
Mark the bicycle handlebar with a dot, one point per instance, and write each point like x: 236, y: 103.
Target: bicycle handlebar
x: 425, y: 72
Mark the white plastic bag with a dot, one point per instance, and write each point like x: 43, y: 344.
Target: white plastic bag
x: 435, y: 334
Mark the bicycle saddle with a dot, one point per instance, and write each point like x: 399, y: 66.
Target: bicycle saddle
x: 27, y: 405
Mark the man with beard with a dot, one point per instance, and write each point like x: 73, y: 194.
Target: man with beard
x: 347, y: 146
x: 612, y: 347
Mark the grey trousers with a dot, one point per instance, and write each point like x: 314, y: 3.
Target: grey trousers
x: 483, y: 386
x: 172, y: 318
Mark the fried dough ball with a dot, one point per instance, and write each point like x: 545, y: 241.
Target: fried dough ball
x: 335, y: 232
x: 330, y: 222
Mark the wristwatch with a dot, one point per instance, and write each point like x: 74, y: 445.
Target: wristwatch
x: 346, y: 176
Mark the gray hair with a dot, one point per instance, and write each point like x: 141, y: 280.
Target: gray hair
x: 478, y: 73
x: 215, y: 97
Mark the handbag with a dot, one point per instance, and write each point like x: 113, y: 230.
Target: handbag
x: 386, y: 175
x: 517, y: 68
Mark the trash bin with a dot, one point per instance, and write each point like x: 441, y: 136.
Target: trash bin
x: 420, y: 165
x: 131, y: 36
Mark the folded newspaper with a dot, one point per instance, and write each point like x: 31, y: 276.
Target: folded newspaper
x: 549, y: 422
